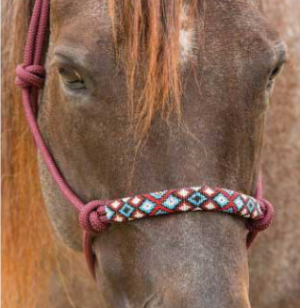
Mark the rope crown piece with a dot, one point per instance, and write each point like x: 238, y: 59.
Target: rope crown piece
x: 98, y: 215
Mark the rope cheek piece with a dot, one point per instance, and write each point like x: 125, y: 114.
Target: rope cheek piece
x: 97, y: 215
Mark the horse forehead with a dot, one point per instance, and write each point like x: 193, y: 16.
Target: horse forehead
x: 77, y: 11
x: 95, y: 14
x: 70, y: 9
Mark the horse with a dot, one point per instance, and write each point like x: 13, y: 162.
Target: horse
x: 143, y: 96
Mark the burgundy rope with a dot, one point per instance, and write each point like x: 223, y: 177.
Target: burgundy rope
x: 93, y: 218
x: 30, y: 77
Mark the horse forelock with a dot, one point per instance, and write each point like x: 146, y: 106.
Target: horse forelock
x: 162, y: 36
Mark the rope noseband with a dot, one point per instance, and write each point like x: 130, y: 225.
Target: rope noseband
x: 98, y: 215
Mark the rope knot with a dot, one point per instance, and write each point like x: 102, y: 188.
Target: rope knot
x: 30, y: 76
x: 93, y: 218
x: 265, y: 220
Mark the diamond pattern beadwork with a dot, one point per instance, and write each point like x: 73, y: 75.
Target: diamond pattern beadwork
x: 171, y: 202
x: 221, y: 200
x: 183, y: 200
x: 197, y: 198
x: 147, y: 206
x: 126, y: 210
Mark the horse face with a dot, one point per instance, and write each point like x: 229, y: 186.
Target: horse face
x: 228, y: 57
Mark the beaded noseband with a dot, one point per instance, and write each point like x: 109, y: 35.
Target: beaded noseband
x: 98, y: 215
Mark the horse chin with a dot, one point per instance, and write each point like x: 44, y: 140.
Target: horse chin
x: 195, y: 261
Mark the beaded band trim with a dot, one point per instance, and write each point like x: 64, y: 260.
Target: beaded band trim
x: 183, y: 200
x: 98, y: 215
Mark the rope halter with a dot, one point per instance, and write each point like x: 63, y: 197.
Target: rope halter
x: 96, y: 216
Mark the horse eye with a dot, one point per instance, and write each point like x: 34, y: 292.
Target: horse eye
x: 71, y: 78
x: 276, y: 72
x: 273, y: 75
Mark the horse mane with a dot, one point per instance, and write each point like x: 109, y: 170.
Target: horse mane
x: 26, y: 234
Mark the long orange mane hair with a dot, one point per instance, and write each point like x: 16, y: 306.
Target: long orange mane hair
x: 26, y: 234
